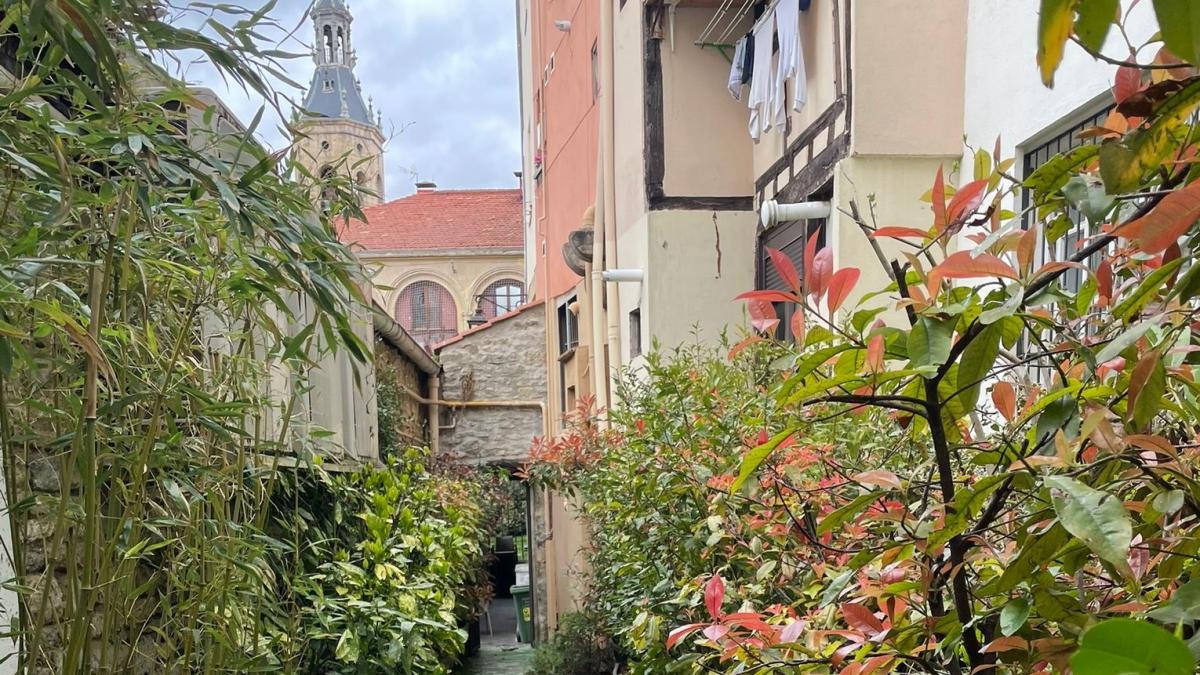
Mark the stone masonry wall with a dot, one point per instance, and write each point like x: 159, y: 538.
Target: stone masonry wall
x: 503, y: 361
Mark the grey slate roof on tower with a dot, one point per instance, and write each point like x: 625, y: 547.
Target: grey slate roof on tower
x: 334, y: 90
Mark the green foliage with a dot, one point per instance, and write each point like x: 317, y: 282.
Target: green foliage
x: 385, y: 596
x: 574, y: 649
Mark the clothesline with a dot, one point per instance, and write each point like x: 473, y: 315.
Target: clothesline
x: 719, y: 30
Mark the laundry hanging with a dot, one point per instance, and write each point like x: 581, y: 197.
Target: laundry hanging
x: 762, y: 81
x: 791, y: 62
x: 736, y: 74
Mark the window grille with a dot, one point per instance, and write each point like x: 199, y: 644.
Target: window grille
x: 428, y: 312
x: 1069, y: 243
x: 501, y: 297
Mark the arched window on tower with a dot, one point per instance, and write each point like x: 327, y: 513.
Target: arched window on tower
x: 428, y: 312
x: 500, y: 298
x: 327, y: 33
x: 328, y: 193
x: 341, y: 46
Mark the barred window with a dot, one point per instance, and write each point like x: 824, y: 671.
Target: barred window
x: 428, y: 312
x: 501, y: 297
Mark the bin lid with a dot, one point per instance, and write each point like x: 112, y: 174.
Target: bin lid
x: 518, y: 589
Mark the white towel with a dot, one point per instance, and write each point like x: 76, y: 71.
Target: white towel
x: 762, y: 81
x: 735, y: 71
x: 791, y: 62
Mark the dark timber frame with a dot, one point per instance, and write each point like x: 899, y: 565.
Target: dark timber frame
x: 655, y: 132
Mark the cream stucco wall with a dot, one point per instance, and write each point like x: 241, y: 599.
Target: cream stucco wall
x: 706, y: 141
x: 465, y: 273
x: 1004, y: 95
x: 908, y: 65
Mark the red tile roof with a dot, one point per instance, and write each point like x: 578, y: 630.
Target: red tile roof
x: 440, y: 219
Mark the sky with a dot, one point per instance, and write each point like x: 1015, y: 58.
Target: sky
x: 443, y: 72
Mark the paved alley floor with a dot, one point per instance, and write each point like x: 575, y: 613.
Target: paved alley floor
x: 499, y: 652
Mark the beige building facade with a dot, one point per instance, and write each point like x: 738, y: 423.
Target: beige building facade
x: 680, y: 184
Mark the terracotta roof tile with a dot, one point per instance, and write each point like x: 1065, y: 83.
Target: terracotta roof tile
x: 440, y: 219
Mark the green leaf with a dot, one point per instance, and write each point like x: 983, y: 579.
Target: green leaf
x: 841, y: 516
x: 1095, y: 18
x: 1054, y: 28
x: 1124, y: 164
x: 1149, y: 399
x: 1169, y: 502
x: 977, y: 361
x: 1050, y: 177
x: 1013, y: 616
x: 1096, y: 517
x: 1088, y: 195
x: 835, y: 587
x: 1011, y: 304
x: 1129, y: 647
x: 929, y: 341
x: 1123, y: 341
x: 1183, y: 607
x: 1179, y: 25
x: 1137, y: 298
x: 755, y: 457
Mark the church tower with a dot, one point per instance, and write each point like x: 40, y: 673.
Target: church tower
x: 341, y: 132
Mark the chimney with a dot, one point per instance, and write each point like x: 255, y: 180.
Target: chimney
x: 426, y: 186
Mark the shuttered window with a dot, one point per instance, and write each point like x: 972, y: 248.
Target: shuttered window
x: 791, y: 238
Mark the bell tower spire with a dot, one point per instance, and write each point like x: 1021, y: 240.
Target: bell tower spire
x: 339, y: 131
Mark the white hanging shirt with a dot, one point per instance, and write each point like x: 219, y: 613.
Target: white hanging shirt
x: 735, y: 70
x: 762, y: 81
x: 791, y: 62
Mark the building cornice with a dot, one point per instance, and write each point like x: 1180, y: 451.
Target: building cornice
x: 441, y: 253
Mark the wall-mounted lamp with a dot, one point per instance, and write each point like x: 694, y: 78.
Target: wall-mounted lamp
x: 774, y: 213
x: 563, y: 25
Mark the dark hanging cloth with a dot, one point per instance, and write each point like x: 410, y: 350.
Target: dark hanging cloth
x: 804, y: 5
x: 748, y: 58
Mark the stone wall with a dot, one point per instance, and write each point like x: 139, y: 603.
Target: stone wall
x: 504, y: 363
x: 394, y: 373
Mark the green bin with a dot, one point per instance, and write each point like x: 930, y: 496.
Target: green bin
x: 520, y: 596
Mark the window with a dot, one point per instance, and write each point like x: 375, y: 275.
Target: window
x: 1070, y: 242
x: 635, y: 333
x: 791, y: 238
x: 428, y: 312
x: 328, y: 192
x: 501, y: 297
x: 328, y: 33
x: 568, y: 327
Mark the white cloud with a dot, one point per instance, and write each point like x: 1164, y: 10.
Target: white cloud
x: 444, y: 71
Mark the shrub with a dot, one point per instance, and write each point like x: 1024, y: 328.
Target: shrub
x: 575, y: 649
x: 387, y: 558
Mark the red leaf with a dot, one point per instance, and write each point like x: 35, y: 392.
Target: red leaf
x: 1173, y: 216
x: 861, y: 618
x: 714, y: 595
x: 1059, y: 265
x: 1127, y: 83
x: 875, y: 349
x: 822, y: 269
x: 1005, y: 398
x: 879, y: 478
x: 762, y: 315
x: 768, y: 296
x: 963, y: 265
x: 896, y: 232
x: 791, y: 632
x: 1026, y: 249
x: 716, y: 631
x: 683, y: 631
x: 798, y: 326
x: 784, y: 268
x: 965, y: 201
x: 1104, y: 282
x: 810, y: 251
x: 840, y: 286
x: 746, y: 342
x: 939, y: 202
